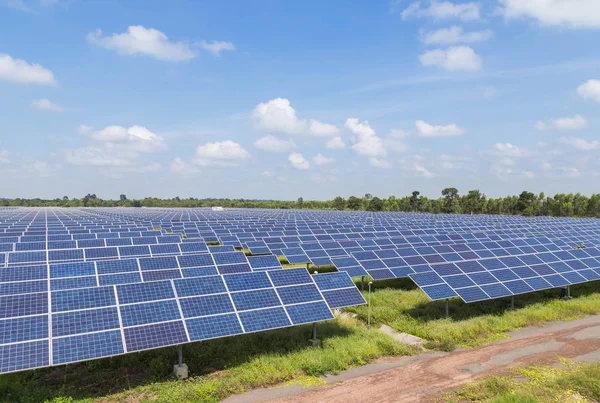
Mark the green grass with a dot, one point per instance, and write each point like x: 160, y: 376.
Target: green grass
x: 570, y: 383
x: 218, y: 368
x: 408, y: 310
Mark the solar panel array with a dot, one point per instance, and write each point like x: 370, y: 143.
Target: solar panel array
x: 132, y: 266
x: 75, y: 286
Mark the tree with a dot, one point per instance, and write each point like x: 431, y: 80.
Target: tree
x: 339, y: 203
x: 451, y: 204
x: 473, y: 202
x: 525, y: 203
x: 414, y: 200
x: 300, y: 202
x: 375, y: 204
x: 65, y: 198
x: 123, y: 197
x: 368, y: 196
x: 354, y: 203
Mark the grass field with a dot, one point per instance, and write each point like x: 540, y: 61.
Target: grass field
x: 569, y: 383
x: 228, y: 366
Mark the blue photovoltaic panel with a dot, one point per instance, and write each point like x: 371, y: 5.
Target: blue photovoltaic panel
x: 247, y: 300
x: 264, y: 319
x: 206, y: 305
x: 117, y: 266
x: 439, y: 291
x: 16, y: 357
x: 23, y: 273
x: 86, y: 346
x: 298, y: 294
x: 151, y: 312
x: 200, y: 286
x: 268, y: 262
x: 72, y: 283
x: 23, y: 329
x: 330, y: 281
x: 23, y: 305
x: 87, y: 321
x: 289, y: 277
x: 72, y: 269
x: 158, y: 263
x: 309, y: 313
x: 196, y: 260
x: 123, y: 278
x: 153, y: 336
x: 143, y: 292
x: 342, y: 298
x: 23, y: 287
x: 213, y: 326
x: 83, y: 298
x: 249, y: 281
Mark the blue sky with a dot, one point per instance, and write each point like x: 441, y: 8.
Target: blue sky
x: 279, y: 99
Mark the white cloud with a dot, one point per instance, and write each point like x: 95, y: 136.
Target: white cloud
x: 298, y: 161
x: 456, y: 58
x: 422, y: 171
x: 96, y: 156
x: 18, y: 5
x: 317, y: 128
x: 509, y: 150
x: 443, y: 10
x: 455, y: 34
x: 367, y: 143
x: 20, y: 71
x: 135, y: 138
x: 580, y: 144
x: 216, y: 47
x: 528, y: 174
x: 335, y: 143
x: 84, y: 130
x: 46, y: 105
x: 576, y: 122
x: 568, y: 13
x: 4, y: 157
x: 140, y: 40
x: 220, y: 153
x: 489, y: 92
x: 570, y: 172
x: 427, y: 130
x: 379, y: 162
x: 180, y: 167
x: 395, y: 145
x: 590, y: 90
x: 273, y: 144
x: 320, y: 159
x: 278, y: 116
x: 273, y: 175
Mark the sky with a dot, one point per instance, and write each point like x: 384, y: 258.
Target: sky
x: 279, y: 100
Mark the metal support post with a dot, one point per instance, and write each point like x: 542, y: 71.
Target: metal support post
x: 362, y: 283
x: 447, y: 308
x: 180, y: 370
x: 314, y: 341
x: 369, y: 307
x: 512, y: 302
x: 180, y: 355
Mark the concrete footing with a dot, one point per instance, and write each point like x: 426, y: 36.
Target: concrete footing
x: 180, y: 371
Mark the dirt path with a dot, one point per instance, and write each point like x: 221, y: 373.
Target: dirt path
x: 420, y: 378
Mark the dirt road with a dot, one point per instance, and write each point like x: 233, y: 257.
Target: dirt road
x: 420, y: 378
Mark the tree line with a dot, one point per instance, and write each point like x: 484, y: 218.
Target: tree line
x: 450, y: 201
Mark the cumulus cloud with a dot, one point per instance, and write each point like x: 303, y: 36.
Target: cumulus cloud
x: 422, y: 171
x: 509, y: 150
x: 278, y: 116
x: 580, y: 144
x: 40, y: 169
x: 335, y: 143
x: 443, y: 10
x: 143, y: 41
x: 320, y: 159
x: 216, y: 47
x: 455, y: 34
x: 379, y: 162
x: 590, y: 90
x: 427, y: 130
x: 367, y: 143
x: 134, y: 138
x: 576, y: 122
x: 298, y: 161
x: 566, y: 13
x: 220, y: 153
x: 46, y: 105
x: 20, y: 71
x: 456, y: 58
x: 273, y: 144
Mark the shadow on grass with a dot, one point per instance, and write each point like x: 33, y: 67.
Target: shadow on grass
x: 108, y: 376
x: 460, y: 310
